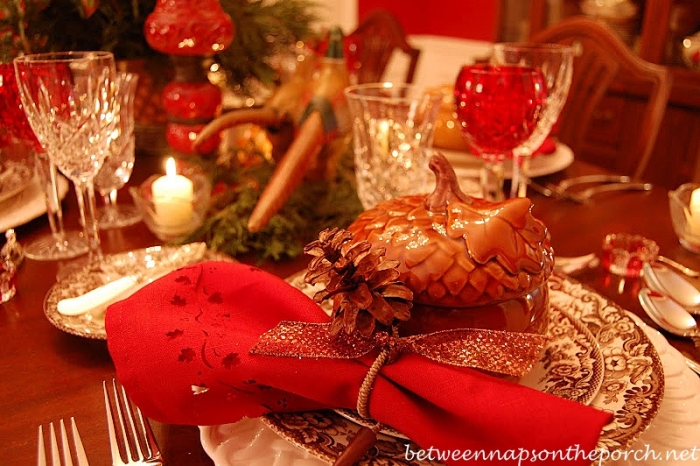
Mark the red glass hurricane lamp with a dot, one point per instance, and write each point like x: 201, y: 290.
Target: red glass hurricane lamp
x: 189, y: 32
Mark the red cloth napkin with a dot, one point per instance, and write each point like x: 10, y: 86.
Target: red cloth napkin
x: 181, y: 349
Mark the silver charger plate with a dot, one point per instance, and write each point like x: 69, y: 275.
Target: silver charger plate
x: 92, y: 324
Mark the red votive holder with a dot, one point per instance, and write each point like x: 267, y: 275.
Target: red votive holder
x: 8, y: 288
x: 624, y: 254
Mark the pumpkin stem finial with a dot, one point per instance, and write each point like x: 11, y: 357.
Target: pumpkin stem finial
x: 446, y: 185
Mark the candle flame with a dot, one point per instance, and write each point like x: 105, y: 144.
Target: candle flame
x: 170, y: 168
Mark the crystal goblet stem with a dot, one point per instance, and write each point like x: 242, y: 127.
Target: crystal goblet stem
x: 492, y: 179
x: 61, y: 243
x: 49, y: 182
x: 85, y: 192
x: 115, y: 172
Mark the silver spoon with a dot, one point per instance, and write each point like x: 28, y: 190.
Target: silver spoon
x: 669, y: 315
x: 664, y: 281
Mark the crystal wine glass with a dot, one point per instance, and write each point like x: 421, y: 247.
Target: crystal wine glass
x: 498, y: 107
x: 69, y: 100
x: 555, y: 61
x: 117, y: 167
x: 60, y: 243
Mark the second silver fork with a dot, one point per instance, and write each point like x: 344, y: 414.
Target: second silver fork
x: 129, y: 429
x: 77, y: 449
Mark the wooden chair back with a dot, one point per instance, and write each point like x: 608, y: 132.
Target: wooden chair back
x: 372, y: 44
x: 602, y: 61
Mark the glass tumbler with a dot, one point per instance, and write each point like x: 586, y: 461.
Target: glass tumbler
x: 393, y: 134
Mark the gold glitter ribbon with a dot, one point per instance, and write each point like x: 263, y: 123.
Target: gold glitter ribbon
x: 509, y: 353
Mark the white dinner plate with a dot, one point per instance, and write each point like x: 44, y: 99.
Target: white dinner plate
x: 467, y: 165
x: 676, y: 428
x: 28, y: 204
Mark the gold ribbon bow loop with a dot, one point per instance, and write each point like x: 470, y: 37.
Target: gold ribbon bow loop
x: 312, y: 340
x: 509, y: 353
x: 497, y: 351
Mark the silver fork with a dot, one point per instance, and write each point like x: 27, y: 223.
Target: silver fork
x: 76, y: 450
x: 552, y: 190
x: 136, y: 438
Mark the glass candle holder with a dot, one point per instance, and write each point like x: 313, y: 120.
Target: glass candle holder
x: 624, y: 254
x: 173, y: 207
x: 684, y: 205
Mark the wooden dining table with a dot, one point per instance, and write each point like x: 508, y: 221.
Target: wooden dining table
x: 46, y: 374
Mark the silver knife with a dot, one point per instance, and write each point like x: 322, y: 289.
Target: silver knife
x: 125, y: 286
x: 692, y: 363
x: 584, y: 179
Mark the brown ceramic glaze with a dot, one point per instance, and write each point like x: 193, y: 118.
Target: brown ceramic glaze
x: 526, y: 313
x: 485, y: 259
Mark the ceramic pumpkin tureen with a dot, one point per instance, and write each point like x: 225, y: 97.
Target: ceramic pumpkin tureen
x: 469, y: 262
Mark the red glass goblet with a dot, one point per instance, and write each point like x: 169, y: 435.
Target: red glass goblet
x: 498, y: 107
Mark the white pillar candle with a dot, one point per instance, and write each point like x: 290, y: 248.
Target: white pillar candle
x: 172, y: 198
x: 694, y: 208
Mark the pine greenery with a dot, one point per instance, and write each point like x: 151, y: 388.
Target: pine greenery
x: 262, y: 29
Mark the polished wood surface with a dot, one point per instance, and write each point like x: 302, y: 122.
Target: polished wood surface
x: 46, y: 374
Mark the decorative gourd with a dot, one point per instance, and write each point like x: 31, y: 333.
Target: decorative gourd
x: 317, y: 108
